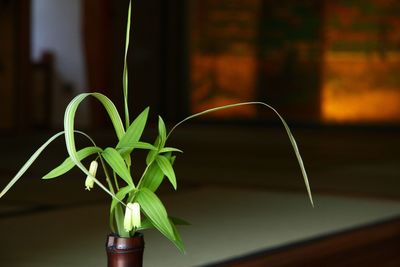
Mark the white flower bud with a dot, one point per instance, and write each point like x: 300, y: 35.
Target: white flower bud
x: 132, y: 216
x: 89, y: 182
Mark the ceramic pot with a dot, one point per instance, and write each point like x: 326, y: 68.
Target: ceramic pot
x: 125, y: 252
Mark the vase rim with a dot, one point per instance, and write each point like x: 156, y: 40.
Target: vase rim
x: 137, y: 235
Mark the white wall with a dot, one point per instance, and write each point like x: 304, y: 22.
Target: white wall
x: 57, y: 27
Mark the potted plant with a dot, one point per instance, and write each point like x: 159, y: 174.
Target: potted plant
x: 135, y: 205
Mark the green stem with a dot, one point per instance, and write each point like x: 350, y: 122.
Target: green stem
x: 144, y: 173
x: 125, y: 71
x: 116, y: 181
x: 110, y: 186
x: 119, y: 219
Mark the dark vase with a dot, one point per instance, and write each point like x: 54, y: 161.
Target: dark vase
x: 125, y: 252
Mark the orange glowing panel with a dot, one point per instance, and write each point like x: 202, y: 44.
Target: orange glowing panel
x: 359, y: 88
x: 223, y: 55
x: 361, y: 80
x: 222, y: 80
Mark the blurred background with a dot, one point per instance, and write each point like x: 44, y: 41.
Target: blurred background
x: 318, y: 62
x: 331, y: 68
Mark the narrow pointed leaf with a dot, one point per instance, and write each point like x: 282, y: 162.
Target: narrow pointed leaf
x: 117, y: 163
x: 177, y: 238
x: 153, y: 178
x: 146, y: 223
x: 135, y: 130
x: 153, y: 208
x: 166, y: 167
x: 68, y: 164
x: 154, y: 175
x: 170, y: 149
x: 162, y: 131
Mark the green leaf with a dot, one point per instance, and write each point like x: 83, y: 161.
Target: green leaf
x: 68, y: 164
x: 69, y: 118
x: 153, y: 153
x: 166, y: 167
x: 133, y: 134
x: 289, y: 133
x: 135, y: 130
x: 153, y: 208
x: 169, y: 149
x: 162, y: 132
x: 121, y: 194
x: 154, y: 175
x: 146, y: 223
x: 152, y: 178
x: 138, y: 145
x: 177, y: 238
x: 117, y: 163
x: 125, y: 151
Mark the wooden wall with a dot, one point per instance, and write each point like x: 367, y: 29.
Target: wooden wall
x: 14, y: 63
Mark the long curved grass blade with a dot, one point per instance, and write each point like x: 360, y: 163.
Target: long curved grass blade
x: 125, y: 72
x: 32, y: 159
x: 289, y: 133
x: 117, y: 163
x: 29, y: 163
x: 68, y: 164
x: 69, y: 130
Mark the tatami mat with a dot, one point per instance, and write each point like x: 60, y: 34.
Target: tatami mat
x: 226, y: 223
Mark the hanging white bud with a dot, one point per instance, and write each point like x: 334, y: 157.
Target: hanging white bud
x: 92, y: 170
x: 132, y: 216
